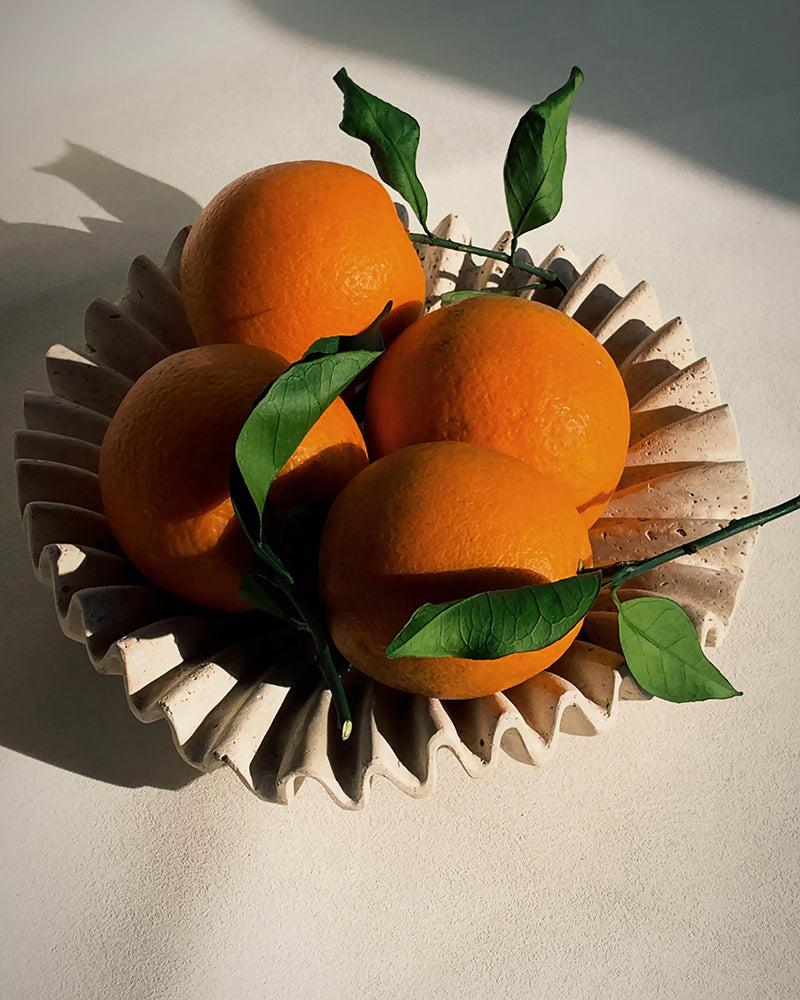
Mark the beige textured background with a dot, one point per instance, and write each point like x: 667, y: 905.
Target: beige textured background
x: 658, y: 861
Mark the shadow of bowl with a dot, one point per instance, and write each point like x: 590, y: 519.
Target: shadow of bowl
x: 54, y: 707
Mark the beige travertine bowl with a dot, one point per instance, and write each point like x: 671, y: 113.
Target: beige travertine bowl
x: 240, y: 692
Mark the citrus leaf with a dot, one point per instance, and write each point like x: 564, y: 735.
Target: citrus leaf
x: 537, y: 155
x: 243, y: 505
x: 273, y: 562
x: 369, y: 339
x: 334, y: 682
x: 279, y: 420
x: 448, y: 298
x: 285, y: 413
x: 271, y: 566
x: 392, y: 137
x: 255, y: 592
x: 498, y: 622
x: 664, y: 654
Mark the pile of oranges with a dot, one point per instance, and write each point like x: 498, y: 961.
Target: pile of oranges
x: 495, y: 429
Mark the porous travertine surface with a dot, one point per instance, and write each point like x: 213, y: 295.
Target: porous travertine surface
x: 236, y: 694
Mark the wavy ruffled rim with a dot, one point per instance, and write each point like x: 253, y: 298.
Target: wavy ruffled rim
x: 251, y: 699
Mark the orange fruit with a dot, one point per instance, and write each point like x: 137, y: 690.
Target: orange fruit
x: 512, y: 374
x: 165, y: 464
x: 297, y: 251
x: 440, y: 522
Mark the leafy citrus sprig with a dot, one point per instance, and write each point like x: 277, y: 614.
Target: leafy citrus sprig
x: 660, y: 643
x: 533, y: 171
x: 278, y: 422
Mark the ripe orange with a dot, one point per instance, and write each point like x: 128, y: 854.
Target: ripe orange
x: 439, y: 522
x: 515, y: 375
x: 165, y: 464
x: 297, y: 251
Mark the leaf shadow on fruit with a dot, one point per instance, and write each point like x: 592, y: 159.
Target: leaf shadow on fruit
x: 399, y: 595
x: 53, y: 707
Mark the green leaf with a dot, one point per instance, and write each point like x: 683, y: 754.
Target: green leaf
x: 269, y: 559
x: 448, y: 298
x: 278, y: 422
x: 392, y: 137
x: 664, y: 653
x: 498, y: 622
x: 255, y: 591
x: 271, y: 567
x: 369, y: 339
x: 243, y: 505
x: 285, y: 413
x: 331, y: 677
x: 536, y: 158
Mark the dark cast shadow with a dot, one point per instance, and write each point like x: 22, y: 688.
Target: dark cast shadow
x: 53, y: 707
x: 715, y: 82
x: 56, y: 709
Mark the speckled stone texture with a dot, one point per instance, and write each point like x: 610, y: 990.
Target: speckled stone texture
x: 249, y: 697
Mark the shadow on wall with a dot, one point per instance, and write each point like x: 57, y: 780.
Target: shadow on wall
x: 49, y: 274
x: 710, y: 80
x: 53, y: 707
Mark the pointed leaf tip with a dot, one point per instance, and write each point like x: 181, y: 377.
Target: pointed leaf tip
x: 495, y: 623
x: 284, y: 414
x: 260, y: 594
x: 392, y: 137
x: 537, y: 156
x: 664, y: 654
x: 277, y: 424
x: 370, y: 339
